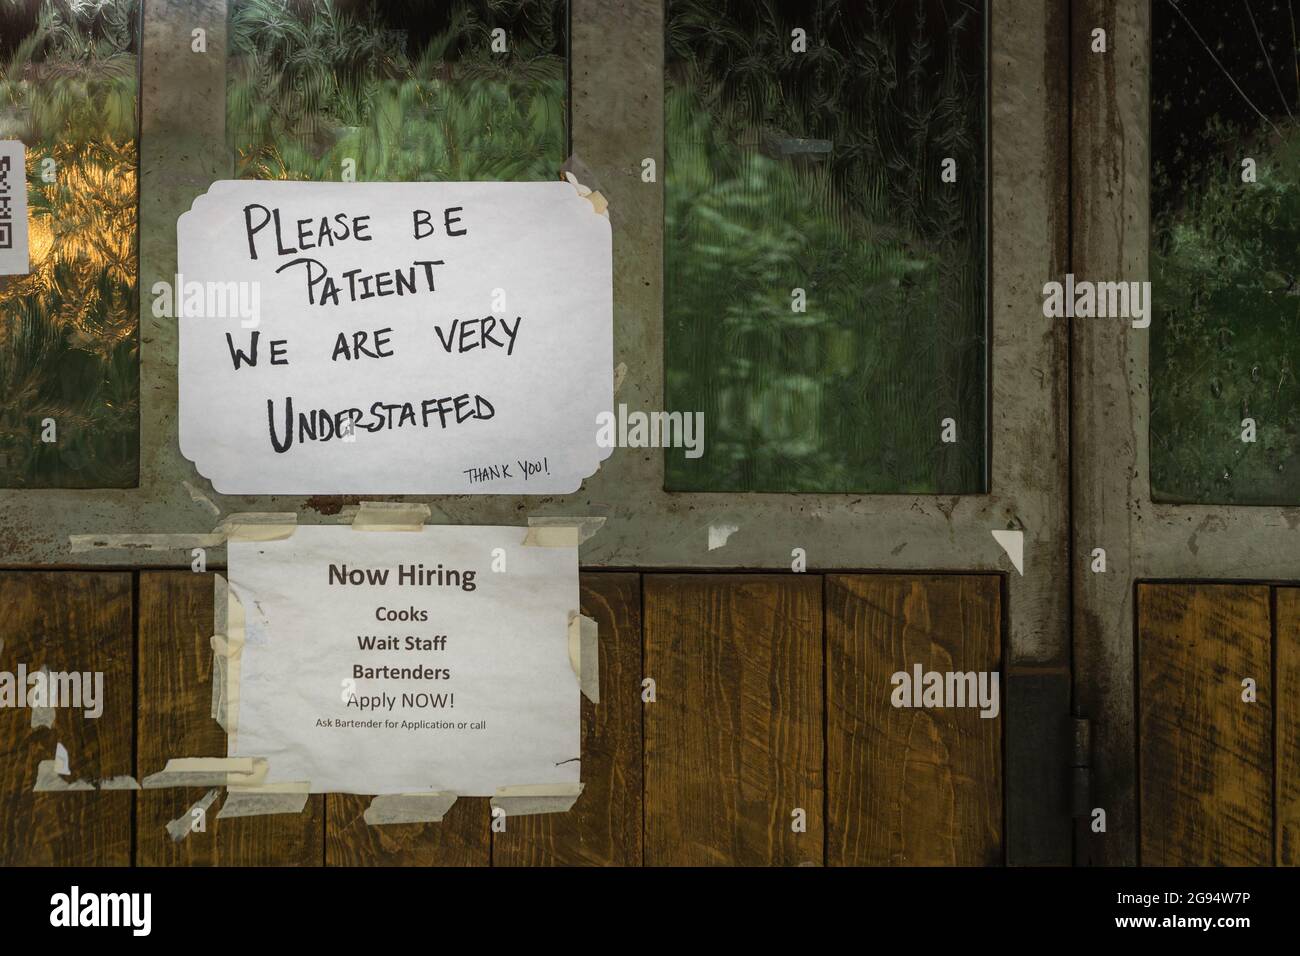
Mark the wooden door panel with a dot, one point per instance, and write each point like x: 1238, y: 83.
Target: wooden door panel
x: 1205, y: 755
x: 911, y: 786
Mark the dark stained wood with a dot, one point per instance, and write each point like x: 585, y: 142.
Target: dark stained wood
x: 1286, y: 699
x: 910, y: 786
x: 604, y: 826
x: 67, y: 621
x: 733, y: 744
x: 462, y: 838
x: 174, y: 720
x: 1206, y: 756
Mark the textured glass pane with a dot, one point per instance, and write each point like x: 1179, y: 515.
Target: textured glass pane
x: 69, y: 360
x: 820, y: 171
x: 1225, y: 335
x: 401, y: 90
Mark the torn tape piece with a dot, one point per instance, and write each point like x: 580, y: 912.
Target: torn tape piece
x: 208, y: 772
x: 183, y: 825
x: 579, y: 175
x: 598, y: 202
x: 119, y: 783
x: 594, y: 196
x: 144, y: 542
x: 199, y: 497
x: 49, y: 778
x: 584, y: 644
x: 392, y: 808
x: 528, y: 799
x: 391, y: 516
x: 259, y: 526
x: 719, y: 534
x: 560, y: 532
x: 42, y: 715
x: 264, y: 800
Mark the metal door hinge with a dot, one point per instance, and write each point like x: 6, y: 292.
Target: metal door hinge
x: 1081, y: 767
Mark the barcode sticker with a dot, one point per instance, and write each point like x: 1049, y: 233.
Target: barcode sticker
x: 13, y: 208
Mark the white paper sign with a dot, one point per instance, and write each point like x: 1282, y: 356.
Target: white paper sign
x: 406, y: 338
x: 14, y: 259
x: 400, y: 662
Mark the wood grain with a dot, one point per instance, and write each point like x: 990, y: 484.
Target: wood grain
x: 174, y: 720
x: 462, y: 838
x: 733, y: 743
x: 67, y: 621
x: 604, y: 826
x: 1205, y: 755
x: 910, y: 786
x: 1286, y: 699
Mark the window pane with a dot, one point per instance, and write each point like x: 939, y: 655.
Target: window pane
x: 397, y: 90
x: 820, y: 171
x: 69, y: 360
x: 1225, y: 335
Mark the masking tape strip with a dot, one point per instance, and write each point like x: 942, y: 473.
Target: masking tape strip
x: 391, y: 516
x: 220, y: 593
x: 143, y: 542
x: 180, y: 828
x: 249, y: 526
x: 409, y: 808
x: 259, y: 526
x: 234, y: 656
x: 48, y: 779
x: 584, y: 650
x: 220, y: 679
x: 558, y: 532
x: 208, y: 772
x: 264, y: 800
x: 220, y: 649
x: 534, y: 798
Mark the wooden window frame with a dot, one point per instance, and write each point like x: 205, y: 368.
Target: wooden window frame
x: 1110, y: 397
x: 616, y: 120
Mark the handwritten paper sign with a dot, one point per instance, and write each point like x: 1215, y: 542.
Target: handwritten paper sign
x: 401, y: 662
x: 430, y: 338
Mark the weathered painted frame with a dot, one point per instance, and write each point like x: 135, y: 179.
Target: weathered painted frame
x: 616, y: 68
x: 1111, y: 405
